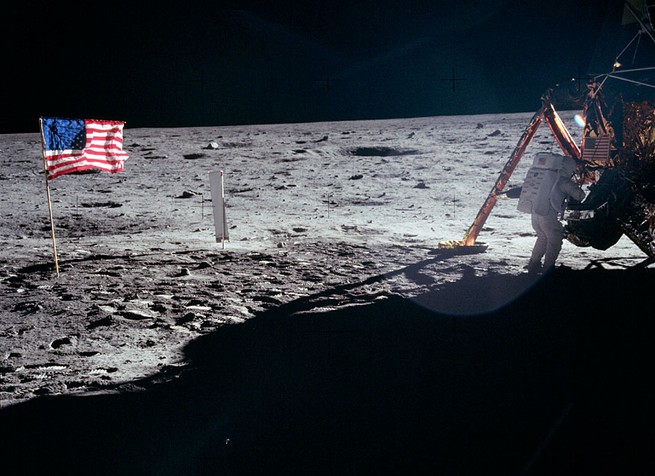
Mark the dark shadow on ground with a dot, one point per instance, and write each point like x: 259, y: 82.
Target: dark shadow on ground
x: 556, y: 382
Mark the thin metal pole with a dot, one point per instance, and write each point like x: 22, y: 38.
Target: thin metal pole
x: 225, y: 236
x: 47, y: 189
x: 480, y: 219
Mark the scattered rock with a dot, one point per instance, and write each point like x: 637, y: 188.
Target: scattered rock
x: 51, y: 389
x: 108, y: 309
x: 495, y: 133
x: 187, y: 194
x: 57, y: 343
x: 130, y: 388
x: 267, y: 300
x: 137, y: 314
x: 183, y: 272
x: 199, y: 307
x: 381, y: 151
x: 194, y: 156
x: 105, y: 321
x: 163, y: 156
x: 108, y: 204
x: 27, y: 307
x: 188, y: 317
x: 159, y: 307
x: 356, y: 177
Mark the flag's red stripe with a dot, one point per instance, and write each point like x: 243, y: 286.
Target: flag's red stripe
x: 109, y: 149
x: 85, y: 163
x: 55, y: 159
x: 81, y: 168
x: 72, y: 166
x: 63, y: 163
x: 111, y: 135
x: 109, y: 162
x: 102, y: 121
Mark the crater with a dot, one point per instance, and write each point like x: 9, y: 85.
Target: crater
x: 381, y: 151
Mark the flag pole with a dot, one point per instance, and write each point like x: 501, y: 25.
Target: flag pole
x: 47, y: 189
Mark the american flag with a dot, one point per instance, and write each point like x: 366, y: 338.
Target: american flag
x: 596, y: 149
x: 74, y: 145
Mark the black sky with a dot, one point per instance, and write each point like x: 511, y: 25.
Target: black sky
x: 189, y: 63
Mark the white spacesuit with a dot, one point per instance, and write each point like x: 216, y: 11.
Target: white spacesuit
x: 546, y: 187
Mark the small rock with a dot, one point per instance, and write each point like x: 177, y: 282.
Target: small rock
x: 188, y: 317
x: 159, y: 307
x: 199, y: 308
x: 137, y: 314
x: 57, y: 343
x: 105, y: 321
x: 28, y: 307
x: 51, y: 389
x: 108, y: 309
x: 193, y: 156
x: 183, y: 272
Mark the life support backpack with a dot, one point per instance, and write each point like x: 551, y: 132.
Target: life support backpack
x: 539, y: 182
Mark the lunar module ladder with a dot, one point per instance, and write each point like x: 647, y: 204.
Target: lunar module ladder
x: 567, y: 144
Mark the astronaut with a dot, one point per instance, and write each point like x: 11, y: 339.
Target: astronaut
x: 545, y: 218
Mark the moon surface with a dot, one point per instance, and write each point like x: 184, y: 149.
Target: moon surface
x: 326, y: 334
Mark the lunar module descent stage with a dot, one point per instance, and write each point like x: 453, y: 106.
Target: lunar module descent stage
x: 616, y: 157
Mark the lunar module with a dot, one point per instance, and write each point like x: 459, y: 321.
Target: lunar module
x: 616, y: 157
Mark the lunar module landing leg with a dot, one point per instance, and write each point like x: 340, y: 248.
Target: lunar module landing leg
x: 468, y: 244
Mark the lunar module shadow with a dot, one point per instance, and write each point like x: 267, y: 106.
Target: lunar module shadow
x: 555, y: 382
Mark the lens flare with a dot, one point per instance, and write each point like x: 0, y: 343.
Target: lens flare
x: 579, y: 120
